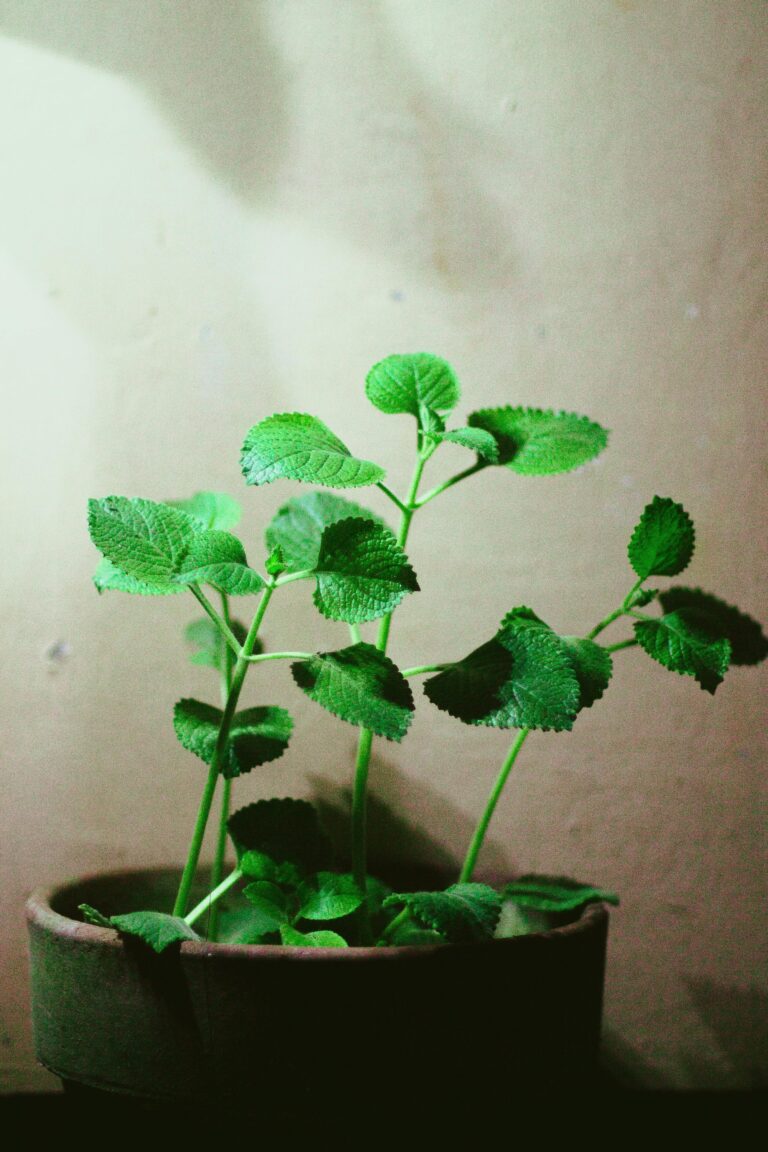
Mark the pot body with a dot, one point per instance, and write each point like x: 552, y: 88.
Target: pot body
x: 295, y: 1030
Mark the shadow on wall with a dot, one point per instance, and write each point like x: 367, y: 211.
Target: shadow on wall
x: 209, y: 66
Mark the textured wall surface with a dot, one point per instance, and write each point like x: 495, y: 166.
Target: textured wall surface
x: 210, y: 211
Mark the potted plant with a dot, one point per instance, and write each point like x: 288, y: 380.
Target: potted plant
x: 297, y: 970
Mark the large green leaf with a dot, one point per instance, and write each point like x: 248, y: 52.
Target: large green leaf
x: 295, y: 446
x: 286, y: 830
x: 322, y: 939
x: 749, y: 644
x: 329, y: 896
x: 686, y: 641
x: 541, y: 442
x: 362, y: 572
x: 475, y: 439
x: 270, y: 907
x: 463, y: 913
x: 298, y: 526
x: 257, y: 735
x: 145, y: 540
x: 406, y: 383
x: 662, y: 543
x: 360, y: 685
x: 155, y: 928
x: 593, y: 667
x: 212, y: 509
x: 109, y: 578
x: 555, y: 893
x: 218, y: 558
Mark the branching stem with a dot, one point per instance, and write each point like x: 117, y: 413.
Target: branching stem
x: 210, y: 900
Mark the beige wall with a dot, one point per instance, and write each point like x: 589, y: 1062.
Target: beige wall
x: 211, y: 210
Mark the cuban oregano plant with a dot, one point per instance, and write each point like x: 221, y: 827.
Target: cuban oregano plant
x: 523, y: 676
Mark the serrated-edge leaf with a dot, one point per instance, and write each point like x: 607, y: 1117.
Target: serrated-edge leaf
x: 362, y: 572
x: 555, y: 893
x: 297, y: 528
x: 156, y: 929
x: 330, y: 896
x: 361, y: 686
x: 402, y: 383
x: 297, y: 446
x: 475, y: 439
x: 292, y: 938
x: 663, y: 541
x: 234, y: 579
x: 216, y: 510
x: 144, y: 539
x: 109, y: 578
x: 749, y: 644
x: 269, y: 904
x: 463, y: 913
x: 680, y: 642
x: 541, y: 441
x: 593, y: 666
x: 285, y: 829
x: 257, y: 735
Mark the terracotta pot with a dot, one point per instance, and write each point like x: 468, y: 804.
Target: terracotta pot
x: 296, y: 1030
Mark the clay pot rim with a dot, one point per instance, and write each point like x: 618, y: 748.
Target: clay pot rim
x: 39, y: 911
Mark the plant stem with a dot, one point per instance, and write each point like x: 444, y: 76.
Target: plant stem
x: 217, y: 870
x: 354, y: 633
x: 279, y: 656
x: 622, y: 644
x: 210, y: 900
x: 395, y: 499
x: 421, y: 669
x: 476, y: 844
x: 238, y: 676
x: 291, y: 576
x: 598, y: 628
x: 218, y: 620
x: 477, y: 467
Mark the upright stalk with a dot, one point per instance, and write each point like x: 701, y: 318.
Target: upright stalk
x: 217, y: 870
x: 476, y: 843
x: 238, y: 676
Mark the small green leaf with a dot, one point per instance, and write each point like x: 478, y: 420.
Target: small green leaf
x: 154, y: 928
x: 298, y: 526
x: 749, y: 644
x: 409, y: 933
x: 212, y: 509
x: 362, y: 572
x: 330, y: 896
x: 686, y: 641
x: 360, y: 685
x: 288, y: 831
x: 295, y: 446
x: 218, y: 558
x: 463, y: 913
x: 475, y: 439
x: 593, y: 667
x: 92, y: 916
x: 275, y: 563
x: 109, y: 578
x: 539, y: 442
x: 555, y: 893
x: 270, y: 907
x: 210, y: 644
x: 406, y: 383
x: 663, y: 541
x: 257, y: 735
x: 323, y: 939
x: 145, y: 540
x: 523, y: 678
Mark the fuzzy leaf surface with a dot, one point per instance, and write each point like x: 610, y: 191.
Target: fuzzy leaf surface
x: 322, y: 939
x: 298, y: 526
x: 475, y: 439
x: 213, y: 509
x: 362, y: 572
x: 749, y: 644
x: 685, y: 641
x: 257, y: 735
x: 360, y: 685
x: 145, y: 540
x: 295, y: 446
x: 593, y: 667
x: 541, y: 442
x: 662, y: 543
x: 154, y: 928
x: 270, y: 908
x: 405, y: 383
x: 329, y: 896
x: 109, y: 578
x: 463, y: 913
x: 285, y: 830
x: 555, y: 893
x: 218, y: 558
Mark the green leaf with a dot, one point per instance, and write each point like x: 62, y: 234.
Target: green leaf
x: 298, y: 526
x: 324, y: 939
x: 257, y: 735
x: 210, y: 644
x: 409, y: 933
x: 360, y: 685
x: 270, y: 907
x: 463, y: 913
x: 330, y: 896
x: 523, y: 678
x: 288, y: 831
x: 405, y: 383
x: 749, y: 644
x: 555, y: 893
x: 275, y: 562
x: 539, y: 442
x: 218, y: 558
x: 145, y: 540
x: 362, y: 572
x: 154, y: 928
x: 92, y: 916
x: 686, y: 641
x: 663, y: 541
x: 109, y: 578
x: 475, y: 439
x: 294, y: 446
x: 212, y: 509
x: 593, y: 667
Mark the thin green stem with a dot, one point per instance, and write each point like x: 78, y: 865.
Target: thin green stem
x: 476, y: 843
x: 395, y: 499
x: 263, y: 656
x: 354, y: 633
x: 210, y: 900
x: 217, y: 869
x: 291, y: 576
x: 609, y: 619
x: 204, y: 811
x: 218, y: 620
x: 425, y: 499
x: 402, y: 916
x: 622, y: 644
x: 421, y: 669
